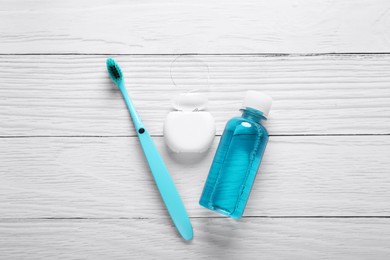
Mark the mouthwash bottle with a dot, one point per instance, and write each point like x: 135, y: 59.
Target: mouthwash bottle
x: 237, y: 158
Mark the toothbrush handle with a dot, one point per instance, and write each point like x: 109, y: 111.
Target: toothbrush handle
x: 160, y: 173
x: 166, y: 187
x: 133, y: 112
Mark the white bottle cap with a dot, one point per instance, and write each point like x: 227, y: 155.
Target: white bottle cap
x: 259, y: 101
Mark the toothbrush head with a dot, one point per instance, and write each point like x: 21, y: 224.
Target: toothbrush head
x: 114, y: 71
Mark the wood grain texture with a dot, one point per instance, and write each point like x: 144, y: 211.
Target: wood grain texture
x: 214, y: 238
x: 74, y: 183
x: 109, y: 178
x: 175, y: 26
x: 72, y: 95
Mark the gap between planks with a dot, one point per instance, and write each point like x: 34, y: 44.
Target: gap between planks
x: 198, y: 217
x: 159, y: 135
x: 266, y: 54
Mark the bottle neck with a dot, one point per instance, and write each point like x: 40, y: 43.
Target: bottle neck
x: 253, y: 114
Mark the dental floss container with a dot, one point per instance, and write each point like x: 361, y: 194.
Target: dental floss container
x: 189, y: 129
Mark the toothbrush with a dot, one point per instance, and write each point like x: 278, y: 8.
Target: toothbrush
x: 157, y: 166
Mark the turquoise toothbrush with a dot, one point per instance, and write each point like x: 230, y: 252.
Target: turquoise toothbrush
x: 157, y: 166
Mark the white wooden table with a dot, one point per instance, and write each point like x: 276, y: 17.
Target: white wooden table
x: 75, y: 185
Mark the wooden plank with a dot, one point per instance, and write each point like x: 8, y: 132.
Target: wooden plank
x: 72, y: 95
x: 206, y: 26
x: 109, y: 178
x: 214, y: 238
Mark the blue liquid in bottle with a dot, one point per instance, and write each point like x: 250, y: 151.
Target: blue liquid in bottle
x: 235, y: 164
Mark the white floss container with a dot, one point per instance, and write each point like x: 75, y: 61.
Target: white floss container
x: 189, y: 129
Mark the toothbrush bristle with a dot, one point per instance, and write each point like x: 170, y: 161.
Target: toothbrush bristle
x: 114, y: 70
